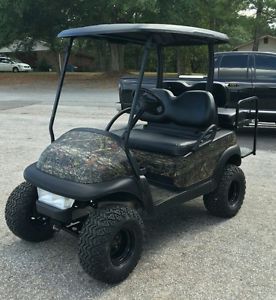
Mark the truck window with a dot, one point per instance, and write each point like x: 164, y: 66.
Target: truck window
x: 265, y: 67
x: 216, y: 65
x: 234, y: 68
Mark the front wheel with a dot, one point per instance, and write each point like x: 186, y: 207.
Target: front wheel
x: 111, y: 242
x: 22, y: 217
x: 15, y: 70
x: 228, y: 197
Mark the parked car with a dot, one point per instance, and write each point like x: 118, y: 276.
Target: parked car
x: 237, y: 75
x: 71, y: 68
x: 9, y: 65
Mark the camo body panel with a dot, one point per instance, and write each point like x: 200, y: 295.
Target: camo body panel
x: 85, y: 156
x: 185, y: 171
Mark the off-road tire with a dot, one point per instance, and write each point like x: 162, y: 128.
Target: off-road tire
x: 228, y: 197
x: 15, y: 70
x: 96, y: 243
x: 22, y: 218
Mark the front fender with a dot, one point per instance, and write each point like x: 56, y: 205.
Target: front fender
x: 80, y: 191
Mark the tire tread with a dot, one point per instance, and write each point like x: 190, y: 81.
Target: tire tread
x: 95, y: 234
x: 18, y: 211
x: 216, y: 201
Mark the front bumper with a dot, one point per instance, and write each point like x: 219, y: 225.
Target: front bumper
x: 24, y: 69
x: 79, y: 191
x: 63, y: 216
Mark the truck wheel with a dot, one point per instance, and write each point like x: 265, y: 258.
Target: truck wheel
x: 111, y: 242
x: 228, y: 197
x: 22, y: 217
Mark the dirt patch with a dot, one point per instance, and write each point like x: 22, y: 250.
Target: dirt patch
x: 6, y: 105
x: 98, y: 80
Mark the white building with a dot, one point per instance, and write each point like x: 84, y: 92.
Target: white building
x: 17, y: 46
x: 267, y: 43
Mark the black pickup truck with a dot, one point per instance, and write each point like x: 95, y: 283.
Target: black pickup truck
x: 237, y: 75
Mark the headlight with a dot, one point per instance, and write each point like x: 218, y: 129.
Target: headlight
x: 118, y: 106
x: 54, y: 200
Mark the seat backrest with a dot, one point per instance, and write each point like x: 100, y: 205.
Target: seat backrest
x: 193, y: 109
x: 190, y: 109
x: 220, y: 92
x: 176, y: 87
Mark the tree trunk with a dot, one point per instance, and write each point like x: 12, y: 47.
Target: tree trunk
x: 101, y: 64
x: 179, y: 64
x: 183, y: 61
x: 59, y: 61
x: 122, y: 57
x: 117, y: 58
x: 257, y: 25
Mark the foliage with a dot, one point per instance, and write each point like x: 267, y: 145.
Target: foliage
x: 31, y: 20
x: 265, y: 17
x: 43, y: 65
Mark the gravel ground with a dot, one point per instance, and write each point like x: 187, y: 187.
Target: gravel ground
x: 188, y: 253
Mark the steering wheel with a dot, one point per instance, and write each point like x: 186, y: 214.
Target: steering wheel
x: 152, y: 105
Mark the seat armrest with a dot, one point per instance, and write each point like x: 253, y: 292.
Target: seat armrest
x: 206, y: 138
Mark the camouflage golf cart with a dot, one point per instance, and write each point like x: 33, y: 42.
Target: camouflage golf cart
x: 97, y: 184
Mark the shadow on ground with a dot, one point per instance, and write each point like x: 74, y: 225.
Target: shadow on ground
x: 56, y: 260
x: 266, y: 138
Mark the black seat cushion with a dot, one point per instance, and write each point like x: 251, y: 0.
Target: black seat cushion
x: 160, y: 142
x: 227, y: 117
x: 178, y: 129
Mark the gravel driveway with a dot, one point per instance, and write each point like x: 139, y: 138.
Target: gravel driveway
x: 188, y: 253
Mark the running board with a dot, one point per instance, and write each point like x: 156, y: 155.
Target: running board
x: 163, y: 196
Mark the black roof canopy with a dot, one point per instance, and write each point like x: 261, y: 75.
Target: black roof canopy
x: 139, y: 33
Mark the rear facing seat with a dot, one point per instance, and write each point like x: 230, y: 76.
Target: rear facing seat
x: 226, y: 116
x: 176, y: 87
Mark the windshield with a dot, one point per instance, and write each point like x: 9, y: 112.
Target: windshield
x: 15, y: 60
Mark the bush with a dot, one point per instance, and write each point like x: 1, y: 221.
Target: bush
x: 43, y: 65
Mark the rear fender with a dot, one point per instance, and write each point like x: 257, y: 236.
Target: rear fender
x: 230, y: 156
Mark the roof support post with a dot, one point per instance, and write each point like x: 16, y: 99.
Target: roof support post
x: 210, y: 79
x: 160, y: 67
x: 133, y: 108
x: 137, y: 91
x: 60, y: 85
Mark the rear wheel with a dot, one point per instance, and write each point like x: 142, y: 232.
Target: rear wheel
x: 22, y: 217
x: 227, y: 199
x: 111, y: 242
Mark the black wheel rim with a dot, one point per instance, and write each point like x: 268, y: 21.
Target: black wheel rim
x: 233, y: 193
x: 122, y: 247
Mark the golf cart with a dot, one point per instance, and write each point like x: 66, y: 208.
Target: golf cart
x: 97, y: 184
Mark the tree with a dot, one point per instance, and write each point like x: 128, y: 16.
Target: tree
x: 39, y: 20
x: 265, y: 15
x: 28, y: 21
x: 113, y: 11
